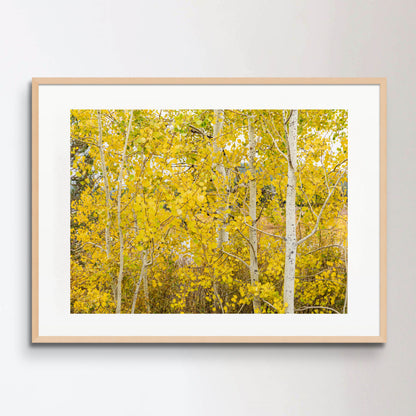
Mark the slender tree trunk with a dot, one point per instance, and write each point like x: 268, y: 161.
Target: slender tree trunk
x: 254, y: 269
x: 120, y: 230
x: 106, y: 187
x: 146, y: 290
x: 344, y: 309
x: 143, y: 276
x: 143, y: 273
x: 219, y: 167
x: 291, y: 241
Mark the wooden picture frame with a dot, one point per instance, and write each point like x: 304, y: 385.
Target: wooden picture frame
x: 49, y: 332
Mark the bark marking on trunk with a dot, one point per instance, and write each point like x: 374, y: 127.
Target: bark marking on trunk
x: 106, y: 187
x: 120, y: 230
x: 291, y: 241
x: 254, y: 268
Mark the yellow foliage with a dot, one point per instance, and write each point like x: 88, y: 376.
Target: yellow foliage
x: 164, y: 213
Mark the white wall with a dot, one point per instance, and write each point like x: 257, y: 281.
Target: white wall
x: 206, y: 38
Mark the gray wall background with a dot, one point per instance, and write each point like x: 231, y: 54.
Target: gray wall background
x: 291, y: 38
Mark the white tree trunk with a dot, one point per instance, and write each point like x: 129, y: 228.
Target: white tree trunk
x: 254, y: 269
x: 143, y: 276
x: 143, y: 273
x: 291, y: 241
x: 120, y: 230
x: 219, y: 167
x: 146, y: 290
x: 106, y: 187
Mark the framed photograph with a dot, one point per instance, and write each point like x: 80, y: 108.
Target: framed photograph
x: 229, y: 210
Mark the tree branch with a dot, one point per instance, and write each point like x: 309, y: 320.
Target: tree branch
x: 245, y: 238
x: 268, y: 303
x: 236, y: 257
x: 274, y: 141
x: 322, y: 248
x: 317, y: 307
x: 321, y: 211
x: 265, y: 232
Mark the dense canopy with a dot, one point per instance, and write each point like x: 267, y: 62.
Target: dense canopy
x: 209, y: 211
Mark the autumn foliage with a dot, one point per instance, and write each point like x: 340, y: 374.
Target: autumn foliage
x: 160, y: 211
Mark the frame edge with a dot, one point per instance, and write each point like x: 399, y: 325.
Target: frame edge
x: 35, y: 210
x: 383, y: 209
x: 36, y: 338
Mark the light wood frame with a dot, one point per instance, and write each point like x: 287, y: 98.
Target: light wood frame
x: 381, y: 338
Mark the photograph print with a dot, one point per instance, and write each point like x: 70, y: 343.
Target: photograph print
x: 222, y: 211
